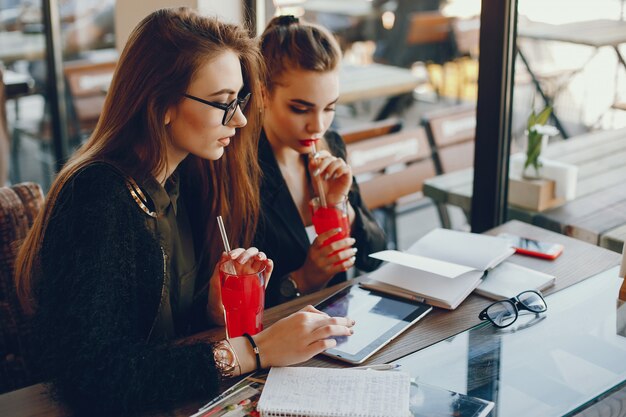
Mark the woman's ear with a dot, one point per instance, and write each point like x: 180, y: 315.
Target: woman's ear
x: 168, y: 117
x: 265, y: 95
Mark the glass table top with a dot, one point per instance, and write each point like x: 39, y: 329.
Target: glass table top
x: 553, y: 364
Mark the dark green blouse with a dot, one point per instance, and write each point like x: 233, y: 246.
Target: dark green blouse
x: 173, y: 230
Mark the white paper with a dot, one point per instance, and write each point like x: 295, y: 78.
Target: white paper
x: 508, y: 280
x: 480, y: 252
x: 335, y: 392
x: 428, y: 285
x: 427, y: 267
x: 445, y: 269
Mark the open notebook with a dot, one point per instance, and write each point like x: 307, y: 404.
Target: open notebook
x: 440, y: 269
x: 322, y: 392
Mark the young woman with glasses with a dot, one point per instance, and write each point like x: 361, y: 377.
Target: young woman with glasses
x: 117, y: 265
x: 300, y: 93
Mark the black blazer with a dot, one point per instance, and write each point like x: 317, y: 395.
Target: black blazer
x: 282, y: 235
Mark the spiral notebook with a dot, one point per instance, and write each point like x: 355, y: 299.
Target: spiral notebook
x: 322, y: 392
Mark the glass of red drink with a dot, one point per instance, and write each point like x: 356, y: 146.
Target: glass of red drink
x: 330, y: 217
x: 243, y: 297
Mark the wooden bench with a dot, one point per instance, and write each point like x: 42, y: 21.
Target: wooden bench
x: 391, y: 170
x: 369, y: 130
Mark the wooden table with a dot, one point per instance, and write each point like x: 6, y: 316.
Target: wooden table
x: 600, y: 205
x: 17, y: 45
x: 350, y: 8
x: 579, y: 261
x: 365, y: 82
x: 593, y: 33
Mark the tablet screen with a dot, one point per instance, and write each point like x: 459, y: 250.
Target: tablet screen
x: 379, y: 318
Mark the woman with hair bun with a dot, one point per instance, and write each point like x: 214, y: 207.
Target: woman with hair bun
x: 300, y: 92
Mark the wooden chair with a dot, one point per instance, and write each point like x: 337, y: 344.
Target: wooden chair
x: 429, y: 39
x: 85, y: 94
x: 19, y: 206
x: 451, y: 133
x: 391, y: 170
x: 369, y: 130
x: 428, y: 28
x: 87, y: 84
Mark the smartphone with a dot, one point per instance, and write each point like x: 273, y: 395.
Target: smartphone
x: 532, y: 247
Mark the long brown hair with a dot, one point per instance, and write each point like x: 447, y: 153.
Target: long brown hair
x: 288, y: 43
x: 154, y: 70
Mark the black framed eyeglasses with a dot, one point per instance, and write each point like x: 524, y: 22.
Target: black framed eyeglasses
x: 229, y: 109
x: 504, y: 313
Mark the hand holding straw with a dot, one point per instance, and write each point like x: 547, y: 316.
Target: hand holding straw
x: 320, y: 184
x: 230, y: 268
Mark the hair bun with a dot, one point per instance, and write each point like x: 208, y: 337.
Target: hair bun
x: 287, y: 20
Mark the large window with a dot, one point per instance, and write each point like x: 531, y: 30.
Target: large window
x: 88, y: 40
x: 573, y: 59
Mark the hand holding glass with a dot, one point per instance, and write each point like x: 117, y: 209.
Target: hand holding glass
x: 243, y: 297
x: 504, y: 313
x: 331, y: 217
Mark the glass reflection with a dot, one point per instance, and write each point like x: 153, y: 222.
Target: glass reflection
x: 548, y: 366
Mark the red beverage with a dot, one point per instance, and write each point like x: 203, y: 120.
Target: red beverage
x: 327, y: 218
x: 243, y: 296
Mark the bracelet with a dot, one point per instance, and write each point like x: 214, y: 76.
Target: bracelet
x: 255, y: 349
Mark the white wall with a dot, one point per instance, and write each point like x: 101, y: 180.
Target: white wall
x: 228, y: 10
x: 129, y: 12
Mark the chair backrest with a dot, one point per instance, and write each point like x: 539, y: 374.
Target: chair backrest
x: 451, y: 134
x: 391, y: 167
x: 19, y: 206
x: 369, y: 130
x: 87, y: 84
x: 428, y: 27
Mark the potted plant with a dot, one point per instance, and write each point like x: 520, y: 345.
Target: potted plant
x: 536, y: 183
x: 538, y: 133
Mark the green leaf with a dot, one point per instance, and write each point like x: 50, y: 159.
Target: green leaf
x: 543, y: 117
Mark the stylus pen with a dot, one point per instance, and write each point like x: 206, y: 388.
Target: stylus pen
x: 380, y: 367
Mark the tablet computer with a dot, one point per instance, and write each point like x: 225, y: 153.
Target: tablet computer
x: 379, y: 319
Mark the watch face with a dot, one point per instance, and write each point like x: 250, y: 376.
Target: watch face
x: 288, y: 288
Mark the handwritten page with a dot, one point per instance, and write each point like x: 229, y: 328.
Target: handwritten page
x: 335, y: 392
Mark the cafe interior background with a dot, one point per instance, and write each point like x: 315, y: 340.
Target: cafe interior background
x: 455, y: 81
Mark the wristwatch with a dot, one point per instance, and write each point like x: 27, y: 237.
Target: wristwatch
x: 289, y: 288
x: 225, y: 359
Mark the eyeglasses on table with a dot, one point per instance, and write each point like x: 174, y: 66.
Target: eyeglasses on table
x: 505, y: 312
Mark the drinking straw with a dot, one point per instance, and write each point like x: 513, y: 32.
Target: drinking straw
x: 230, y: 267
x: 320, y: 184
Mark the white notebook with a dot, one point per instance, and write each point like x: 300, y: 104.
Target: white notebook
x: 440, y: 269
x: 508, y: 280
x: 322, y: 392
